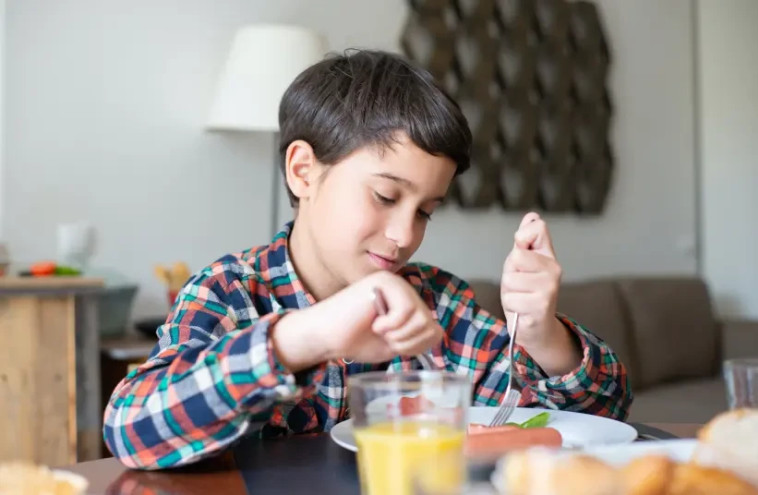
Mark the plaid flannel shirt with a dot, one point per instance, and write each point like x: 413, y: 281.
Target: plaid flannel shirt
x: 213, y: 376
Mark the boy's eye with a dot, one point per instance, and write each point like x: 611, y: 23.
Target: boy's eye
x: 426, y: 216
x: 383, y: 199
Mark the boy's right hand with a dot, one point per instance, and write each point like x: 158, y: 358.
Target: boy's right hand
x: 346, y: 325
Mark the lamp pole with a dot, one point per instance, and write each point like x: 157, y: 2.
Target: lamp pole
x: 262, y: 62
x: 275, y: 185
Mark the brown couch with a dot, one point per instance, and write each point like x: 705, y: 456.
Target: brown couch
x: 665, y: 332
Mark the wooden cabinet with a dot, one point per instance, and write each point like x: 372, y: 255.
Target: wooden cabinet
x: 50, y: 406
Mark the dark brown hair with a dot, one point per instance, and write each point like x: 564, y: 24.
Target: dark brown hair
x: 362, y: 98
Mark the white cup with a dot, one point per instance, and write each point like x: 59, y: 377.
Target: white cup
x: 76, y: 244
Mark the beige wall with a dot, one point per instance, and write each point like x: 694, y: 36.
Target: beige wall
x: 728, y: 96
x: 105, y: 104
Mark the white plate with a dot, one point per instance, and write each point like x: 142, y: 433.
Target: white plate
x: 577, y: 429
x: 678, y: 450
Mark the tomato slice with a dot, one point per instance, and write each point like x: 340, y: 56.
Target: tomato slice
x: 43, y: 268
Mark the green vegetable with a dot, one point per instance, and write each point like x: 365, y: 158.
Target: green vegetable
x: 66, y: 270
x: 538, y: 421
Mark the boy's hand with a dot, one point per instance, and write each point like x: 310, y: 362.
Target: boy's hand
x: 346, y: 325
x: 529, y: 286
x: 409, y: 326
x: 530, y: 281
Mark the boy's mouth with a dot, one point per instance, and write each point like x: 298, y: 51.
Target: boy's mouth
x: 382, y: 262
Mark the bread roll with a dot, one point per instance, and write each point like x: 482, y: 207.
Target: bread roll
x: 648, y: 475
x: 549, y: 472
x: 691, y: 479
x: 725, y: 462
x: 730, y: 441
x: 18, y: 478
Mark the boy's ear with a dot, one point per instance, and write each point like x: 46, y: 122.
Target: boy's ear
x: 300, y: 165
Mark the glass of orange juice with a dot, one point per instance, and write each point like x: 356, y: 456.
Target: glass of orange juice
x: 404, y: 421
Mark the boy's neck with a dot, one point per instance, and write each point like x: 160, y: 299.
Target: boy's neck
x: 311, y: 271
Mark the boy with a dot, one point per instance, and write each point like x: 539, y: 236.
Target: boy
x: 369, y: 147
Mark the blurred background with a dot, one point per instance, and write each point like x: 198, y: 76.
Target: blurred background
x: 104, y: 111
x: 105, y: 103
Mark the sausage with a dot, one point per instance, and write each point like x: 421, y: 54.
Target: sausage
x: 414, y: 405
x: 477, y: 429
x: 496, y: 441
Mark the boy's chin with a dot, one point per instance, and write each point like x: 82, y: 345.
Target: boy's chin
x: 365, y: 272
x: 373, y: 270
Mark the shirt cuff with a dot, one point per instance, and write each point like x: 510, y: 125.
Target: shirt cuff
x: 266, y: 370
x: 556, y: 389
x: 290, y: 387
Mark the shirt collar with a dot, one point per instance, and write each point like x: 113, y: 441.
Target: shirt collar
x: 285, y: 284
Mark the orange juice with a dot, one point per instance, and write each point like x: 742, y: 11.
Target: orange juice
x: 391, y: 454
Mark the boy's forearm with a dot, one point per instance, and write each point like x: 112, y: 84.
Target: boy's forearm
x: 558, y: 355
x: 295, y: 342
x: 230, y: 373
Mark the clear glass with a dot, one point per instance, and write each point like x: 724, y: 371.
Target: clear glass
x: 741, y: 377
x: 475, y: 480
x: 407, y: 420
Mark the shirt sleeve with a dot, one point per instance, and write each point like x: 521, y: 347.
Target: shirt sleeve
x: 477, y: 342
x: 212, y: 373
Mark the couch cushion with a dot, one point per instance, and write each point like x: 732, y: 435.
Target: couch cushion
x: 673, y: 329
x: 597, y: 306
x: 687, y: 401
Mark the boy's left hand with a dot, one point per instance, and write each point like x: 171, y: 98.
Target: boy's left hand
x: 529, y: 286
x: 530, y: 281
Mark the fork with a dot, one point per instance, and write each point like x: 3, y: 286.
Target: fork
x: 511, y: 396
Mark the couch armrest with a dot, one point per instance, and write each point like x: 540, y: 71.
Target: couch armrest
x: 739, y: 339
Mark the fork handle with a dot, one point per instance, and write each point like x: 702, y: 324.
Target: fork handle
x: 510, y: 351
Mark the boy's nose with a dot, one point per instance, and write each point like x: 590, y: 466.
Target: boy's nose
x: 400, y: 229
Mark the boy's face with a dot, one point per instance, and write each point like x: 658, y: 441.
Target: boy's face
x: 369, y: 212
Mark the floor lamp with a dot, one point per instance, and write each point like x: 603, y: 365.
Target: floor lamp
x: 264, y: 59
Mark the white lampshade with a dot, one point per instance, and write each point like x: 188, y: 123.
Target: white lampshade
x: 262, y: 63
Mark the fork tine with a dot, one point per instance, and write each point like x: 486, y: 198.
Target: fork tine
x: 507, y: 414
x: 495, y: 420
x: 504, y: 411
x: 499, y: 416
x: 506, y: 408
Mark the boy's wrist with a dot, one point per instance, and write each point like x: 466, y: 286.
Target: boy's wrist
x: 295, y: 344
x: 556, y: 352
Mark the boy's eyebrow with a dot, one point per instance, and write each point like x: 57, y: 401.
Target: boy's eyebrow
x: 395, y: 178
x: 405, y: 182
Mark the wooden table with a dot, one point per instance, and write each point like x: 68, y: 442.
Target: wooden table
x: 49, y: 400
x: 302, y: 464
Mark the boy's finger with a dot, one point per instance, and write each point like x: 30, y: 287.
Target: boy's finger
x: 400, y: 301
x: 415, y: 325
x: 522, y: 237
x: 420, y: 342
x: 520, y: 302
x: 523, y: 281
x: 529, y: 218
x: 534, y: 235
x: 393, y: 320
x: 522, y: 260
